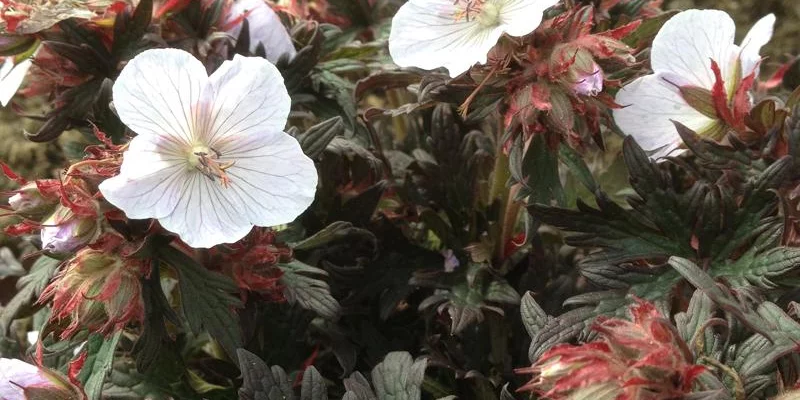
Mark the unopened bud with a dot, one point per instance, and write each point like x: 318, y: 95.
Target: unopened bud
x: 28, y: 201
x: 590, y: 84
x: 65, y: 232
x: 96, y: 291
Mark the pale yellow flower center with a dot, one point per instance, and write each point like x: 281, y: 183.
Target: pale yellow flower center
x: 486, y: 12
x: 206, y: 160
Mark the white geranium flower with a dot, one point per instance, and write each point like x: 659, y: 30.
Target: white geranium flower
x: 456, y: 34
x: 681, y: 57
x: 11, y: 76
x: 264, y: 26
x: 210, y: 159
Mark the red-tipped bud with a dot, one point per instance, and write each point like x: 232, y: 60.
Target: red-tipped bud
x: 97, y: 291
x: 630, y: 359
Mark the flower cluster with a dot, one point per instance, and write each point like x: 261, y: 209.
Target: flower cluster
x: 643, y: 358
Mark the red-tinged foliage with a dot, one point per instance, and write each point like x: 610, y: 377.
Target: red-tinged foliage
x: 75, y: 366
x: 98, y: 291
x: 252, y: 262
x: 643, y: 358
x: 559, y: 80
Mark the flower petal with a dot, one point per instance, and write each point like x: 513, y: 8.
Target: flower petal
x: 759, y: 35
x: 274, y: 181
x: 12, y: 80
x: 16, y: 375
x: 150, y: 181
x: 250, y: 99
x: 650, y: 103
x: 160, y: 92
x: 265, y: 27
x: 687, y: 42
x: 271, y: 183
x: 521, y: 17
x: 206, y: 215
x: 425, y: 34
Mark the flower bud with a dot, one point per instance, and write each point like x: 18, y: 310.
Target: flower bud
x: 586, y: 76
x: 28, y: 201
x: 97, y: 291
x: 65, y: 232
x: 23, y: 381
x: 629, y: 360
x: 589, y: 83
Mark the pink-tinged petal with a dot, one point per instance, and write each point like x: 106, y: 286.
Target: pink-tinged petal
x: 426, y: 34
x: 265, y: 27
x: 271, y: 177
x: 758, y: 36
x: 15, y: 375
x: 150, y: 180
x: 521, y: 17
x: 160, y: 93
x: 687, y: 42
x: 650, y: 103
x: 250, y: 99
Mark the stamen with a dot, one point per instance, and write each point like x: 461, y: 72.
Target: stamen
x: 209, y: 166
x: 470, y: 9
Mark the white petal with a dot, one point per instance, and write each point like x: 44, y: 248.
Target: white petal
x: 15, y: 375
x: 160, y: 92
x: 206, y: 215
x: 271, y: 183
x: 521, y: 17
x: 12, y: 78
x: 150, y: 181
x: 265, y: 27
x: 250, y: 99
x: 271, y: 178
x: 756, y: 38
x: 687, y: 42
x: 426, y: 35
x: 651, y: 103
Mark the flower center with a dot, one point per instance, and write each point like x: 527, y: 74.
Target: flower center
x: 486, y: 12
x: 206, y: 160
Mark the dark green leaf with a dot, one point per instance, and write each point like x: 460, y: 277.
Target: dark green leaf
x: 98, y: 363
x: 533, y: 317
x: 316, y: 139
x: 311, y: 293
x: 29, y: 288
x: 206, y: 299
x: 399, y: 377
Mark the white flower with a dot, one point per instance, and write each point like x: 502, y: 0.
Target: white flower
x: 11, y: 76
x: 15, y: 375
x: 264, y: 26
x: 211, y: 159
x: 456, y: 34
x: 681, y: 57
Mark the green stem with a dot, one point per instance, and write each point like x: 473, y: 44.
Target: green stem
x: 499, y: 192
